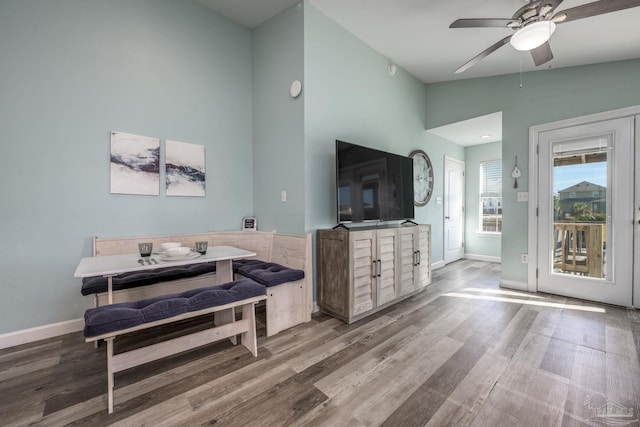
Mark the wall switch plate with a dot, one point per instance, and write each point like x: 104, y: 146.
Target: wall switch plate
x: 524, y: 258
x: 438, y: 200
x: 283, y: 196
x: 523, y: 196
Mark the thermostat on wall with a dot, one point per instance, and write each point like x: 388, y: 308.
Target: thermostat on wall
x: 249, y: 224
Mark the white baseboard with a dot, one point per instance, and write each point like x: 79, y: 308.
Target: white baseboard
x: 316, y: 308
x: 437, y: 264
x: 25, y: 336
x: 483, y: 258
x: 513, y: 284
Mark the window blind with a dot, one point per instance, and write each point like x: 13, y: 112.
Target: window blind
x: 491, y: 178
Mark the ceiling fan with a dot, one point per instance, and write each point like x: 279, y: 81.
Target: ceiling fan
x: 534, y: 23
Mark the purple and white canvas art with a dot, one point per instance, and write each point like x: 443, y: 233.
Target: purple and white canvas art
x: 135, y: 164
x: 185, y: 169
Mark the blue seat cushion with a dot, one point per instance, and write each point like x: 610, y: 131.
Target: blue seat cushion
x: 95, y: 285
x: 270, y: 273
x: 109, y: 318
x: 239, y: 263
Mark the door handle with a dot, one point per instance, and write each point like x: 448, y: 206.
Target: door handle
x: 446, y: 217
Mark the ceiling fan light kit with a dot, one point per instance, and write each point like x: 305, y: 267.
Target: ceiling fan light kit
x: 534, y: 23
x: 533, y: 35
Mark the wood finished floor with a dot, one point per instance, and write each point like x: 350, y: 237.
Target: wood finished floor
x: 464, y: 352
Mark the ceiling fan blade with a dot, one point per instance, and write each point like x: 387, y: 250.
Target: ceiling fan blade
x: 595, y: 8
x: 473, y: 61
x: 542, y: 54
x: 549, y: 6
x: 480, y: 22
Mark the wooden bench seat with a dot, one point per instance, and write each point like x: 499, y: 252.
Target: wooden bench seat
x: 110, y: 321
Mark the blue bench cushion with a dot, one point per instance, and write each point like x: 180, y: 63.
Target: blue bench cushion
x: 270, y: 273
x: 242, y: 262
x: 94, y: 285
x: 109, y: 318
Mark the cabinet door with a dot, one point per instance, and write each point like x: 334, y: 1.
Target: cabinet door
x: 363, y: 271
x: 387, y: 249
x: 408, y: 260
x: 424, y: 256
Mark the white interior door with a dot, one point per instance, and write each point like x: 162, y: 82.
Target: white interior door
x: 586, y: 211
x: 453, y: 209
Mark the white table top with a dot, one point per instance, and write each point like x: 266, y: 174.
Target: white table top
x: 115, y: 264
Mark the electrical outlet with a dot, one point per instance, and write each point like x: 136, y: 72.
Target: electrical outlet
x: 524, y: 258
x: 283, y: 196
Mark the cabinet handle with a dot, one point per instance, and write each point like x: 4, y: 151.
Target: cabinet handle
x: 379, y: 268
x: 375, y: 269
x: 419, y: 257
x: 415, y: 258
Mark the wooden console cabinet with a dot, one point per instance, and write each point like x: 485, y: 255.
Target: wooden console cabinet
x: 363, y: 270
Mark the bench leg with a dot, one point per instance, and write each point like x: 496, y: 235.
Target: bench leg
x: 110, y: 372
x: 224, y: 317
x: 249, y: 339
x: 95, y: 304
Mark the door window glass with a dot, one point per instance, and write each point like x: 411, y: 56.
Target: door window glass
x: 581, y: 203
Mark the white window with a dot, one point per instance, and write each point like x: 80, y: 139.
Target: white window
x: 491, y: 196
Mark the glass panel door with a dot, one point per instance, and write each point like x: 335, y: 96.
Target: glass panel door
x: 585, y: 199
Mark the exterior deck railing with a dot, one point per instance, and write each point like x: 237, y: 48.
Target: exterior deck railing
x: 579, y: 248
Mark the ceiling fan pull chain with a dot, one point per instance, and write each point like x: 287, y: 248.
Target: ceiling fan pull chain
x: 520, y: 71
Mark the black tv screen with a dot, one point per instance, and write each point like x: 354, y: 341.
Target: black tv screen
x: 372, y: 185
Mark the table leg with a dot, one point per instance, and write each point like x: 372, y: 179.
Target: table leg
x: 110, y: 288
x: 224, y: 274
x: 224, y: 271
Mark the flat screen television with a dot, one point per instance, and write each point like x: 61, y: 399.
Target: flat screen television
x: 372, y: 185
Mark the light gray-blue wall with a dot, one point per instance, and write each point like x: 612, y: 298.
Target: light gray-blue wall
x: 278, y: 122
x: 351, y: 96
x: 70, y: 72
x: 477, y: 243
x: 546, y: 96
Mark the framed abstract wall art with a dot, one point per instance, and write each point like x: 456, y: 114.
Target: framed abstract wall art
x: 185, y: 172
x: 135, y: 164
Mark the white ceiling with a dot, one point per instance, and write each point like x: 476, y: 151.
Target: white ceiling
x: 415, y: 34
x: 248, y: 13
x: 479, y: 130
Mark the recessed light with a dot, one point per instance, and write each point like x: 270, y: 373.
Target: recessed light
x: 485, y: 136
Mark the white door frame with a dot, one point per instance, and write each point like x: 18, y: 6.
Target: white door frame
x: 636, y: 218
x: 534, y: 131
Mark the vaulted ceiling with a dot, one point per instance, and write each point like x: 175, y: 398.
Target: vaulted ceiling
x: 415, y: 34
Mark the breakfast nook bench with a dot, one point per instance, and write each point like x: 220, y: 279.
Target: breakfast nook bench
x: 285, y: 268
x: 107, y: 322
